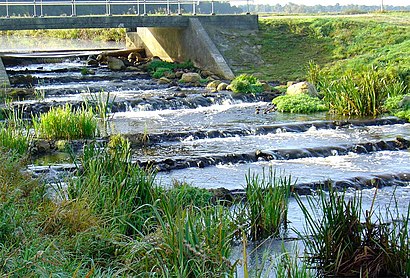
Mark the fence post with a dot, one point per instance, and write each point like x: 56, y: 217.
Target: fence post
x: 212, y: 7
x: 73, y: 8
x: 108, y: 7
x: 168, y: 11
x: 145, y: 7
x: 41, y: 8
x: 179, y: 7
x: 34, y: 9
x: 7, y: 9
x: 138, y: 7
x: 193, y: 7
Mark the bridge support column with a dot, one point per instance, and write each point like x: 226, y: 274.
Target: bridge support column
x: 181, y: 44
x: 4, y: 79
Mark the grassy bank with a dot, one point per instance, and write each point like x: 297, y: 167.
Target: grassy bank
x: 286, y: 44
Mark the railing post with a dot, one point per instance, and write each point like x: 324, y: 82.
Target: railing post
x: 7, y: 9
x: 168, y: 11
x: 145, y: 7
x: 193, y: 7
x: 73, y: 8
x: 212, y: 7
x: 138, y: 7
x: 179, y: 7
x: 108, y: 7
x: 247, y: 5
x: 34, y: 9
x: 41, y: 8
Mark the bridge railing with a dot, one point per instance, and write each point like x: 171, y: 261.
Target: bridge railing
x: 140, y: 7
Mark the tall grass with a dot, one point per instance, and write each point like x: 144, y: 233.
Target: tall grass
x: 359, y: 93
x: 339, y: 243
x: 266, y: 205
x: 66, y: 123
x: 113, y: 186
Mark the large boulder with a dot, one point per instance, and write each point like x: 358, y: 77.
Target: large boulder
x: 115, y: 63
x: 302, y: 88
x: 190, y: 77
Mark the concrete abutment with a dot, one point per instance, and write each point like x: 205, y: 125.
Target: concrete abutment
x: 191, y: 42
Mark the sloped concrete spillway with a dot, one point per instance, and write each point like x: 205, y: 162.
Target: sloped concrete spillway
x: 213, y: 140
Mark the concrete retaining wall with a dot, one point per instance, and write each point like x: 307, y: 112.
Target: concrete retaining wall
x: 191, y: 42
x: 4, y: 79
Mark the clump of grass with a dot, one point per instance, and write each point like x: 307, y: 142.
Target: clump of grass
x: 247, y: 84
x: 187, y: 195
x: 14, y: 139
x: 302, y: 103
x: 160, y: 72
x: 360, y: 93
x: 113, y: 186
x: 191, y: 242
x: 157, y: 67
x: 340, y: 244
x: 64, y: 123
x: 266, y: 205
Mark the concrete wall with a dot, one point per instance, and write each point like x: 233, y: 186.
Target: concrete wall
x: 125, y: 21
x: 4, y: 79
x: 191, y: 42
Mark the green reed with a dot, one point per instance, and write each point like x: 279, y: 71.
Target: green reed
x: 66, y: 123
x: 266, y: 205
x: 340, y: 243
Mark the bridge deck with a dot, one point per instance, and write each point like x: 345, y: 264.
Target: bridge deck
x: 124, y: 21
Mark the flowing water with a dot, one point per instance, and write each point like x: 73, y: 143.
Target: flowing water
x: 213, y: 140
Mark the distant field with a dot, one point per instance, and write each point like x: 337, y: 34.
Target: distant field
x: 283, y: 47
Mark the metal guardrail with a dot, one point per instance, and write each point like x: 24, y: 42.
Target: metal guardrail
x: 141, y: 5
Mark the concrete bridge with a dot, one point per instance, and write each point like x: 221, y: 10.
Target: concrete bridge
x: 171, y: 37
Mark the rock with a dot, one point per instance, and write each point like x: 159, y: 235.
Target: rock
x: 229, y: 87
x: 132, y: 68
x: 290, y: 83
x: 92, y: 63
x: 190, y: 77
x: 214, y: 77
x: 115, y: 63
x: 213, y: 85
x: 266, y: 87
x: 302, y: 88
x: 19, y: 93
x: 405, y: 102
x: 179, y: 74
x: 222, y: 86
x: 169, y: 74
x: 134, y: 57
x: 206, y: 73
x: 164, y: 80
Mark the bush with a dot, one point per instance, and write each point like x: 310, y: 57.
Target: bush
x: 301, y: 103
x: 247, y: 84
x: 162, y: 66
x: 160, y: 72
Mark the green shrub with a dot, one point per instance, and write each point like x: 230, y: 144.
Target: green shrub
x: 247, y: 84
x: 405, y: 114
x: 185, y: 195
x: 14, y: 139
x: 64, y: 123
x: 301, y: 103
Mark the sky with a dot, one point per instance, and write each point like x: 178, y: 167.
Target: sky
x: 330, y: 2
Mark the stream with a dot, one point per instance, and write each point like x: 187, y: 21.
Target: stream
x: 213, y: 140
